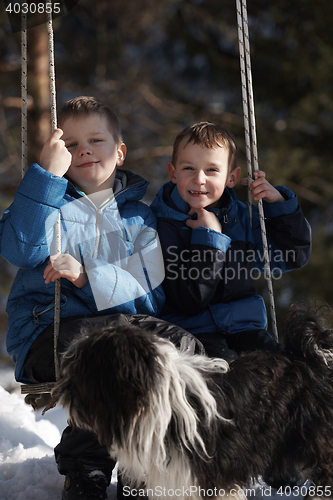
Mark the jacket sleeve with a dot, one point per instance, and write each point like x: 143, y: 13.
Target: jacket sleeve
x: 133, y: 286
x: 192, y: 271
x: 288, y: 234
x: 23, y: 233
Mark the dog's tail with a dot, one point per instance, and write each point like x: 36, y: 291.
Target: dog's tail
x: 309, y: 335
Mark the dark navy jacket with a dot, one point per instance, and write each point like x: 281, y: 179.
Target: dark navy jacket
x: 209, y: 275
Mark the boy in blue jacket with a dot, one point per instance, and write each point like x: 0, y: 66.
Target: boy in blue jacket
x: 211, y: 253
x: 110, y: 262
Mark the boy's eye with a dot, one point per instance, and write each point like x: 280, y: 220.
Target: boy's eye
x: 96, y: 140
x: 71, y: 145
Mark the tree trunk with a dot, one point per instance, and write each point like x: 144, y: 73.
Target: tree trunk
x: 39, y: 127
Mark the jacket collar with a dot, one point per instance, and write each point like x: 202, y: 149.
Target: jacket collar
x: 128, y: 186
x: 178, y: 201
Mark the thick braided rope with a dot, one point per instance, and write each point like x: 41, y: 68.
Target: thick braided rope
x: 248, y: 107
x: 58, y: 225
x: 24, y: 95
x: 245, y: 104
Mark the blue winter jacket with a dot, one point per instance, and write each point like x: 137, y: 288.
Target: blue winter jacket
x: 116, y: 242
x: 209, y: 275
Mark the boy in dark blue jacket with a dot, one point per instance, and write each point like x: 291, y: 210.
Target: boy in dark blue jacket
x: 211, y: 253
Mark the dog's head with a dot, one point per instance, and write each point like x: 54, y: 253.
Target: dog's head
x: 106, y: 379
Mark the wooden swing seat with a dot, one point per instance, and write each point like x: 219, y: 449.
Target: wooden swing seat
x: 44, y: 388
x: 34, y: 392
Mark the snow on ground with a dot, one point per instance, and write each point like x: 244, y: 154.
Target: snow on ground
x: 27, y: 467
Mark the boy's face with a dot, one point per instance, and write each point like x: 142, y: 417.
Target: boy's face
x: 95, y: 154
x: 201, y: 174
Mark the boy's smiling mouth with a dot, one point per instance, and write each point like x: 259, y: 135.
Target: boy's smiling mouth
x: 198, y: 192
x: 88, y: 164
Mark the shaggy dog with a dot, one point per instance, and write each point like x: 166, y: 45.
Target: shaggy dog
x: 187, y: 425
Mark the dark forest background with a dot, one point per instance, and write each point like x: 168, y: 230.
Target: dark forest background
x: 164, y: 64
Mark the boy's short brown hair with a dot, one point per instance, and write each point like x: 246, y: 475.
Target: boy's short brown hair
x: 208, y: 135
x: 85, y: 106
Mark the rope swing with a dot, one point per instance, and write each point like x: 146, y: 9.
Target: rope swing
x: 251, y: 139
x: 58, y: 225
x: 251, y: 152
x: 32, y: 390
x: 24, y: 96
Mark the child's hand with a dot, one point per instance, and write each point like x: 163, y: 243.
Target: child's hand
x: 65, y: 266
x: 55, y: 157
x: 205, y: 219
x: 261, y: 189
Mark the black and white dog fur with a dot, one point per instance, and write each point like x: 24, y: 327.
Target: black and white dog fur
x: 180, y: 422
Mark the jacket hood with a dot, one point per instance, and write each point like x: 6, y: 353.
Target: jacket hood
x: 169, y: 205
x: 134, y: 187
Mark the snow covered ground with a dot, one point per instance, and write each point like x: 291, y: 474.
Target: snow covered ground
x: 27, y: 466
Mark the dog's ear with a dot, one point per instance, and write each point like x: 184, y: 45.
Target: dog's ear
x: 131, y: 369
x: 110, y: 379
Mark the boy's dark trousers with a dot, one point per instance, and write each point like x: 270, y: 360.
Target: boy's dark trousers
x: 228, y: 346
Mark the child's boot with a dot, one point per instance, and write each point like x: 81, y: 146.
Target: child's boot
x: 88, y: 482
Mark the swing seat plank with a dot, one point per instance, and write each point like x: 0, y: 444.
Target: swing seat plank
x: 43, y: 388
x: 35, y: 392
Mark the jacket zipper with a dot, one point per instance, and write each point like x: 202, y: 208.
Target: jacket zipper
x: 99, y: 217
